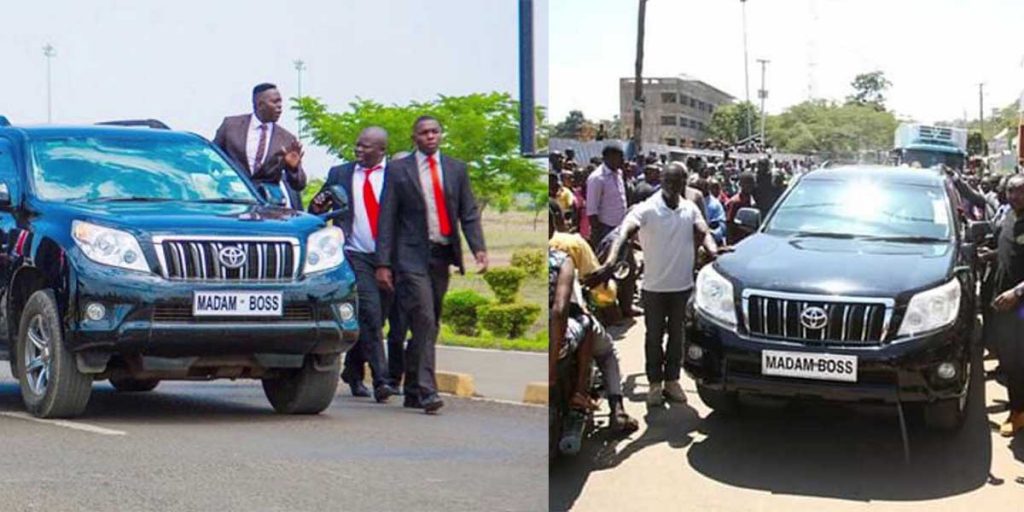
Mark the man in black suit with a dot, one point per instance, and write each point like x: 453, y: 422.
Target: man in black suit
x: 363, y: 182
x: 271, y: 155
x: 427, y: 198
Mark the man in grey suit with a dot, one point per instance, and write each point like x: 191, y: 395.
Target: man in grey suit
x: 271, y: 155
x: 427, y: 197
x: 363, y: 182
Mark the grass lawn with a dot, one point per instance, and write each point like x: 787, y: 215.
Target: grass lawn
x: 504, y: 233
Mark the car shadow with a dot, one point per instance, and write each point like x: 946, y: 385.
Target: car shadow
x: 845, y: 452
x: 602, y: 450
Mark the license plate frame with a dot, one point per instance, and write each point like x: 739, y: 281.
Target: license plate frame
x: 237, y: 303
x: 818, y: 366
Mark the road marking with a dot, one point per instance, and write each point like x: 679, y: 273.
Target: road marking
x: 84, y: 427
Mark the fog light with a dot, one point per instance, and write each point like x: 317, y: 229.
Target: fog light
x: 346, y: 312
x: 95, y: 311
x: 946, y: 371
x: 694, y: 352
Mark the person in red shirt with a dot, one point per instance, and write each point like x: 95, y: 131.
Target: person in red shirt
x: 743, y: 199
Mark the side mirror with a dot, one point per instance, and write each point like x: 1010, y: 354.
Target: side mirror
x: 340, y: 197
x: 748, y: 218
x: 977, y: 231
x: 5, y: 195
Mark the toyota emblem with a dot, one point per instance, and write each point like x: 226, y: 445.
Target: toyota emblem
x: 232, y: 256
x: 814, y: 318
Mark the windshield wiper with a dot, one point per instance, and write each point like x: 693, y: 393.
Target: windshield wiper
x: 129, y: 199
x: 823, y: 234
x: 907, y: 238
x: 223, y: 200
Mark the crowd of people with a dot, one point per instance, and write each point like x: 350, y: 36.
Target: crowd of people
x: 596, y: 209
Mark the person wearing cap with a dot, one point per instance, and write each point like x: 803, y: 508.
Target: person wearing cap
x: 606, y: 193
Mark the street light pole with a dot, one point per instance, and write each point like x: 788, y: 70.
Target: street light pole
x: 746, y: 68
x: 526, y: 86
x: 638, y: 91
x: 49, y: 52
x: 762, y: 93
x: 981, y: 117
x: 299, y: 66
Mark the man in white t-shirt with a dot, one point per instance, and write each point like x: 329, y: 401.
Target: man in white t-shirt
x: 670, y: 230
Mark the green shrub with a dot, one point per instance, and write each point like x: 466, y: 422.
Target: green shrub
x: 505, y: 283
x: 531, y: 261
x: 460, y: 310
x: 509, y: 320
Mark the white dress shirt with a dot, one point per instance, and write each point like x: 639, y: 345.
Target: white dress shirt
x: 252, y: 141
x: 361, y: 239
x: 427, y: 184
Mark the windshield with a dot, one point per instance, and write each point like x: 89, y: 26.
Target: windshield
x: 109, y: 168
x: 928, y: 159
x: 863, y: 208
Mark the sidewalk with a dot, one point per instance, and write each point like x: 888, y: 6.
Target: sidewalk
x: 499, y: 374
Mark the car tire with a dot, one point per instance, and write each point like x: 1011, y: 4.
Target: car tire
x: 726, y: 403
x: 130, y: 385
x: 51, y: 385
x: 303, y: 391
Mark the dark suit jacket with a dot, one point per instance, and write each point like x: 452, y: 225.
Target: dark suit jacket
x: 231, y: 138
x: 403, y: 239
x: 342, y: 175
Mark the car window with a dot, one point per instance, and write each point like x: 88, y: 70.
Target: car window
x: 8, y: 168
x: 864, y: 208
x: 88, y: 168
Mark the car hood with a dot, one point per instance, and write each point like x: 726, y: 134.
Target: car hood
x: 170, y: 218
x: 837, y: 266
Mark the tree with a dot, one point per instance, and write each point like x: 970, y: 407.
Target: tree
x: 575, y: 126
x: 479, y: 129
x: 976, y: 144
x: 833, y: 131
x: 728, y: 122
x: 869, y: 89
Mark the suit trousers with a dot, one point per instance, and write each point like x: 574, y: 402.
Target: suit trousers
x: 420, y: 297
x: 373, y: 302
x: 398, y: 327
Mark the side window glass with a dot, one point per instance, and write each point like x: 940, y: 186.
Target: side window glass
x: 8, y: 168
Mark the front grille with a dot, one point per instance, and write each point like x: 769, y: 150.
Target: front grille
x: 183, y: 259
x: 182, y: 313
x: 850, y: 322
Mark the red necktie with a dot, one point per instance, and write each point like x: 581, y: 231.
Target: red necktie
x: 370, y: 201
x: 261, y: 149
x: 442, y: 208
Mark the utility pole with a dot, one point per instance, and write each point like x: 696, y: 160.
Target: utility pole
x: 638, y: 89
x: 526, y: 100
x: 299, y: 67
x: 746, y: 69
x: 49, y: 52
x: 762, y: 93
x: 981, y: 117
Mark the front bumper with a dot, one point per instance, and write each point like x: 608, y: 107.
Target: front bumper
x: 150, y: 315
x: 904, y: 371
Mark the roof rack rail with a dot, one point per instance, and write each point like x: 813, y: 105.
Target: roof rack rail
x: 4, y: 121
x: 148, y: 123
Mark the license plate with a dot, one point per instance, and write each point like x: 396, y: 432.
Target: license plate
x: 237, y: 304
x: 805, y: 365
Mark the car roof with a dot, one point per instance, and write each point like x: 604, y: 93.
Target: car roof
x: 56, y: 131
x: 884, y: 173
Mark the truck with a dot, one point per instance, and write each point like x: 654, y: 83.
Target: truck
x: 922, y: 145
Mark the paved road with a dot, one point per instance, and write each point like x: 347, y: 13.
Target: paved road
x: 787, y: 458
x: 218, y: 446
x: 500, y: 374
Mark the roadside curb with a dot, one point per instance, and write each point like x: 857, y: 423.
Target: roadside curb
x: 453, y: 383
x: 536, y: 393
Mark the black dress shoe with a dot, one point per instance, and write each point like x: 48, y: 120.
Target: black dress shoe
x: 432, y: 404
x: 359, y: 389
x: 382, y: 393
x: 412, y: 402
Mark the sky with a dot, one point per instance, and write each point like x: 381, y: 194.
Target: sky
x: 935, y: 52
x: 189, y: 63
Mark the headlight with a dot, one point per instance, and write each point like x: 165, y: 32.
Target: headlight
x: 932, y: 309
x: 714, y: 296
x: 109, y: 246
x: 324, y: 250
